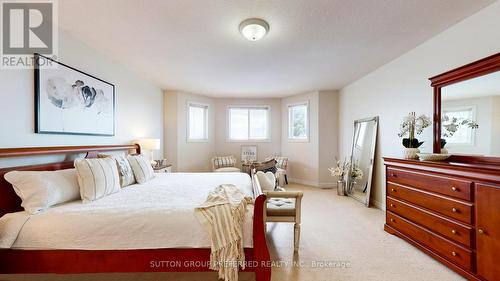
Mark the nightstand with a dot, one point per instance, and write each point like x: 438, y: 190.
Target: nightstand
x: 163, y: 169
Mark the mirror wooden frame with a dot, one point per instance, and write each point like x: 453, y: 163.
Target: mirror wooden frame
x: 472, y: 70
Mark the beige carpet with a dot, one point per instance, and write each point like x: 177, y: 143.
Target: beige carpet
x: 341, y: 240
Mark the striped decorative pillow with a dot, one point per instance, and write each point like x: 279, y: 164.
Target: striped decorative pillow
x: 124, y: 169
x: 142, y: 169
x: 97, y: 177
x: 224, y: 161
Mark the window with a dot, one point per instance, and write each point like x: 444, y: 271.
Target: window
x: 197, y: 122
x: 298, y: 123
x: 464, y: 135
x: 248, y: 123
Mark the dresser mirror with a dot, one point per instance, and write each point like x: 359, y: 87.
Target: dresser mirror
x: 467, y: 111
x: 359, y: 177
x: 470, y: 122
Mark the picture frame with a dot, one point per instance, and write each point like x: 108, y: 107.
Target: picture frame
x: 69, y: 101
x: 248, y: 153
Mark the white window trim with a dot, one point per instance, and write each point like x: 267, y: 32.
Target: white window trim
x: 228, y: 138
x: 197, y: 104
x: 473, y: 108
x: 308, y: 121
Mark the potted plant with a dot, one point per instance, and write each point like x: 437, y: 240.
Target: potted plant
x: 451, y: 126
x: 340, y: 171
x: 411, y: 126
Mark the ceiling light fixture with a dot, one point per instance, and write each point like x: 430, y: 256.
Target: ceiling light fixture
x: 254, y: 29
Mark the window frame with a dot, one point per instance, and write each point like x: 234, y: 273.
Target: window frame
x: 188, y: 120
x: 248, y: 107
x: 307, y: 123
x: 472, y: 109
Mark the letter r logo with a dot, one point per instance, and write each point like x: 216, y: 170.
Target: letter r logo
x: 27, y: 28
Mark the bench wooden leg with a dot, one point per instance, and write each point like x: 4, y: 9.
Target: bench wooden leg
x: 296, y: 237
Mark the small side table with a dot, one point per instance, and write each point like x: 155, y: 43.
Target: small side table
x: 163, y: 169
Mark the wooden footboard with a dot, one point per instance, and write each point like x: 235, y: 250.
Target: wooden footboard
x: 102, y: 261
x: 261, y: 252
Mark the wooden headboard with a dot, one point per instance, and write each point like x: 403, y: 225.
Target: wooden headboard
x: 9, y: 201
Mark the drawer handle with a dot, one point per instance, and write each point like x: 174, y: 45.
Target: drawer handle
x: 480, y: 231
x: 454, y: 254
x: 392, y: 220
x: 394, y: 175
x: 454, y: 210
x: 453, y: 231
x: 393, y: 190
x: 392, y: 205
x: 454, y: 188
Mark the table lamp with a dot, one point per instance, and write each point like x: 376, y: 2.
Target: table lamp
x: 151, y: 145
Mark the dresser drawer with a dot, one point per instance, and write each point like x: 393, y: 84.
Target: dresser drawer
x: 450, y: 186
x: 458, y: 210
x: 451, y: 230
x: 450, y: 251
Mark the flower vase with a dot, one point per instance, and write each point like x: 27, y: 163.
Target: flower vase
x: 340, y: 188
x: 411, y: 153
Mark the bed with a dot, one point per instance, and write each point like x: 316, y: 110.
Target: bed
x: 158, y: 232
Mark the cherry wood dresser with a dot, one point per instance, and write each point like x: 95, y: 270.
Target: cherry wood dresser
x: 450, y: 210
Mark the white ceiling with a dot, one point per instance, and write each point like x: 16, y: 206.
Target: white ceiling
x: 195, y: 46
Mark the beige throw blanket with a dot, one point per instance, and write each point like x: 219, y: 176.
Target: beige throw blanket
x: 222, y: 216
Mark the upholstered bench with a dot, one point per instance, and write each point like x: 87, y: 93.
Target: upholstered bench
x: 284, y: 206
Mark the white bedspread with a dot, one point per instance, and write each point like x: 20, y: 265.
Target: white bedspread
x: 157, y: 214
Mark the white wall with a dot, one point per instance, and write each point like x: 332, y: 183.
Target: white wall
x: 309, y: 161
x: 264, y: 149
x: 402, y: 85
x: 187, y: 156
x: 138, y: 103
x: 328, y: 123
x: 303, y: 157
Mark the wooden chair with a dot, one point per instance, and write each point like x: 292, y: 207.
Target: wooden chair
x: 285, y: 206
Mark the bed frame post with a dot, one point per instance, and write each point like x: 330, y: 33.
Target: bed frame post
x: 261, y: 252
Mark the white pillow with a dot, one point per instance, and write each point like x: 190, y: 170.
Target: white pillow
x: 143, y: 170
x: 124, y: 169
x: 97, y: 177
x: 267, y: 180
x: 39, y: 190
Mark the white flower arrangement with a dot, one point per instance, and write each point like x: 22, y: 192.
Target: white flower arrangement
x: 340, y: 170
x: 356, y: 173
x: 413, y: 125
x: 451, y: 125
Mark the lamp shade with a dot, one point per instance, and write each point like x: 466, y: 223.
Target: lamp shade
x: 150, y: 144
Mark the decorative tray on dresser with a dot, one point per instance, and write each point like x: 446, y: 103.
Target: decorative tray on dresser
x: 449, y: 210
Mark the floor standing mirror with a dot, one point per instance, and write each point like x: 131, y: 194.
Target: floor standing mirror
x: 359, y: 178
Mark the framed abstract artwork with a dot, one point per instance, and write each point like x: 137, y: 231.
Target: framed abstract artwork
x: 70, y: 101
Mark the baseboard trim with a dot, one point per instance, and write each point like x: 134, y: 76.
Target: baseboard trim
x: 378, y: 204
x: 325, y: 185
x: 304, y: 182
